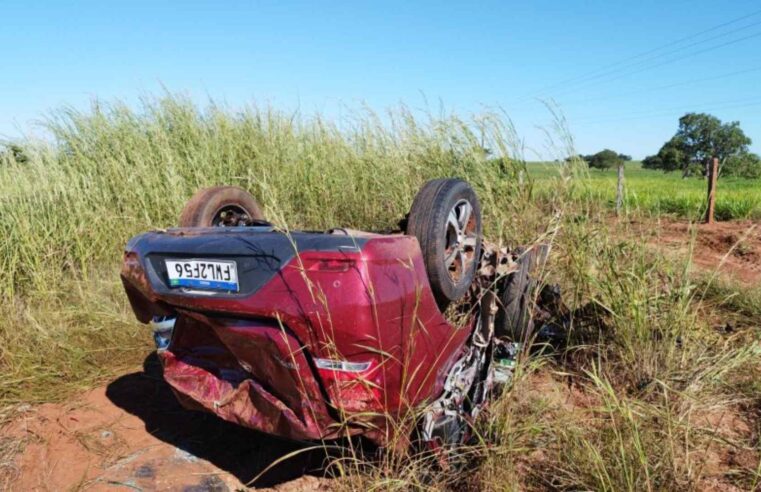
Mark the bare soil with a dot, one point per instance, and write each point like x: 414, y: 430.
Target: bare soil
x: 133, y: 435
x: 733, y: 248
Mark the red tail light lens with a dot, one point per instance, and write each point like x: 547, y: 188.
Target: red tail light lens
x: 332, y: 265
x: 353, y: 386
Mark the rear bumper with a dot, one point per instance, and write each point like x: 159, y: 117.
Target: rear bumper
x: 247, y: 404
x: 274, y: 392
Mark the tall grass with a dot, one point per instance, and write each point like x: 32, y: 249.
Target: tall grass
x: 115, y: 171
x: 648, y: 394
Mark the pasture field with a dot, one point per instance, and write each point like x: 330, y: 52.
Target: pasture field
x: 658, y: 386
x: 657, y: 193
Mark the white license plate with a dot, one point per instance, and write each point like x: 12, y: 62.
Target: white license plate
x: 203, y: 274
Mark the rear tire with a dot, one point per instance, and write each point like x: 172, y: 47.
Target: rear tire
x: 220, y: 206
x: 445, y: 217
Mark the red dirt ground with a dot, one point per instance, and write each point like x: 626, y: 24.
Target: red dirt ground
x: 133, y: 435
x: 732, y: 248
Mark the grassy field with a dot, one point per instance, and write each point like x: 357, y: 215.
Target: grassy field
x: 650, y: 375
x: 657, y: 193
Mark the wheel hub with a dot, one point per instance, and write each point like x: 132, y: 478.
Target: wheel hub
x: 230, y: 216
x: 460, y: 239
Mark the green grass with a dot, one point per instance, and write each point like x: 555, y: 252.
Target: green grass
x: 645, y: 365
x: 659, y: 193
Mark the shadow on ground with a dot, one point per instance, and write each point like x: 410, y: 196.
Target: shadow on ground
x: 239, y: 451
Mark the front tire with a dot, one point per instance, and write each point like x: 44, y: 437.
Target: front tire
x: 445, y: 217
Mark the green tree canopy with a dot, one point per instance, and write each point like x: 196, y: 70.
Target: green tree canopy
x: 745, y: 165
x: 605, y: 159
x: 700, y: 137
x: 14, y: 152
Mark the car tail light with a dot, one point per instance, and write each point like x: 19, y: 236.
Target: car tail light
x: 353, y: 386
x: 332, y: 265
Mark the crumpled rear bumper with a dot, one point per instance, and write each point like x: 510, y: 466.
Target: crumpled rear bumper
x: 252, y: 373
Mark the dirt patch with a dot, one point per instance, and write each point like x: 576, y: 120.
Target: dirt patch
x: 732, y: 248
x: 133, y: 434
x: 559, y: 392
x: 729, y: 445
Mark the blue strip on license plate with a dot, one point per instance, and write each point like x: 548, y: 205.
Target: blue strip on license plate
x: 203, y: 284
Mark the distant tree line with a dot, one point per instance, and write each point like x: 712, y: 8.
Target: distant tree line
x: 701, y: 137
x: 605, y: 159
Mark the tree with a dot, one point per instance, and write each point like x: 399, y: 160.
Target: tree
x: 605, y: 159
x: 13, y: 152
x: 670, y: 157
x: 578, y: 157
x: 744, y: 165
x: 699, y: 138
x: 652, y: 162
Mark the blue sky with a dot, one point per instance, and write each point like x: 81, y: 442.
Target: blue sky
x: 322, y: 57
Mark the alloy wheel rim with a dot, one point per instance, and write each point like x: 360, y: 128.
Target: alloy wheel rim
x: 230, y: 216
x: 460, y: 239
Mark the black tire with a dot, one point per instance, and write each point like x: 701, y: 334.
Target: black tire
x: 517, y: 295
x: 451, y: 251
x: 220, y: 206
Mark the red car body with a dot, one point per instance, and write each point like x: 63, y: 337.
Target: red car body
x: 330, y: 334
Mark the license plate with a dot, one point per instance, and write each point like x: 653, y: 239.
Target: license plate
x: 203, y: 274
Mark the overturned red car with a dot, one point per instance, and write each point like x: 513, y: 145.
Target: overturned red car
x: 321, y: 335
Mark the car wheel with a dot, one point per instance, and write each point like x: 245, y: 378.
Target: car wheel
x: 220, y: 206
x: 445, y: 217
x: 517, y: 295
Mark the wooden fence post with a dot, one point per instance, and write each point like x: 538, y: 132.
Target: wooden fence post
x: 712, y: 177
x: 620, y: 190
